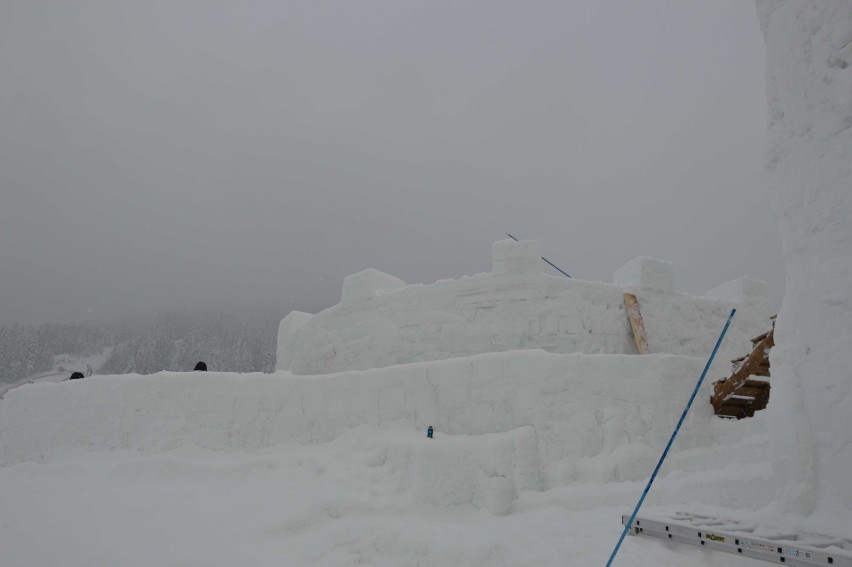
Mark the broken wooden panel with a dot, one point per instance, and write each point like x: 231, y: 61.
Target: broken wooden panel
x: 740, y: 394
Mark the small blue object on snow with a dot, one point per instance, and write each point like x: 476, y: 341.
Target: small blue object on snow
x: 429, y: 432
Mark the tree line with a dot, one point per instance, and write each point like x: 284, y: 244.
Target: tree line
x: 226, y: 341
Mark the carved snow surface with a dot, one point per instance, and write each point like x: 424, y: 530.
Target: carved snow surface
x: 809, y: 89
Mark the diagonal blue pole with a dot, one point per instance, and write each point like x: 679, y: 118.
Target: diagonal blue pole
x: 671, y: 440
x: 560, y: 270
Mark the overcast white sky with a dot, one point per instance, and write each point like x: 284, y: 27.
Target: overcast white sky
x: 195, y: 153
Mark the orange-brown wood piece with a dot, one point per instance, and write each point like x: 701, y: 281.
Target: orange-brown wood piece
x: 743, y: 392
x: 636, y: 323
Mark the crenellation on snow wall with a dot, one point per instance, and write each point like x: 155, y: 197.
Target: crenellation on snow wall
x: 515, y: 307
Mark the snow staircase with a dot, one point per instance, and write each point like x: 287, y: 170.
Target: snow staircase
x: 738, y: 538
x: 744, y: 391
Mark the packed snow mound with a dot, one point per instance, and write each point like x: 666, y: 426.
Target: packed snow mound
x: 516, y: 307
x: 809, y: 89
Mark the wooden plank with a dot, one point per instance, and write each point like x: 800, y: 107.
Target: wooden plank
x: 759, y: 338
x: 636, y: 323
x: 753, y: 392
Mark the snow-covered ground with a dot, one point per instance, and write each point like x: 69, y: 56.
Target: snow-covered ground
x: 337, y: 503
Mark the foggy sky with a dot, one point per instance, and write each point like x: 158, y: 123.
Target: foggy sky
x: 207, y: 153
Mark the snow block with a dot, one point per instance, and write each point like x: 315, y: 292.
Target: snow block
x: 288, y: 327
x: 646, y: 272
x: 511, y: 257
x: 367, y: 285
x: 500, y: 496
x: 741, y: 290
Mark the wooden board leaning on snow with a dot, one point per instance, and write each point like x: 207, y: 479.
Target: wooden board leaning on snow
x: 636, y: 324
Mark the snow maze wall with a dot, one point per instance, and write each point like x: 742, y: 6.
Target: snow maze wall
x: 504, y: 422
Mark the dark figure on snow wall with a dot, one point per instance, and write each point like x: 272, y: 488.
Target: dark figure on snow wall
x: 200, y: 366
x: 76, y: 376
x: 429, y: 432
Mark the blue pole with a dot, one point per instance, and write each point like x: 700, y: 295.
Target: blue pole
x: 671, y: 440
x: 545, y: 259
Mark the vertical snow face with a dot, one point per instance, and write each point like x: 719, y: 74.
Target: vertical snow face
x: 809, y: 90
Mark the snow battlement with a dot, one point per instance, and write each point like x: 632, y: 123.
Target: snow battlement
x: 648, y: 273
x: 516, y: 257
x: 381, y: 321
x: 742, y: 290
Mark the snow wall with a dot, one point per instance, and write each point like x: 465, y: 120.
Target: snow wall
x: 809, y: 89
x: 381, y: 322
x: 505, y: 422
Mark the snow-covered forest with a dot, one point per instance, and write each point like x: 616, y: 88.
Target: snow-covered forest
x: 227, y: 341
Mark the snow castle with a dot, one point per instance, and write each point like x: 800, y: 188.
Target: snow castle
x: 380, y: 321
x: 531, y: 381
